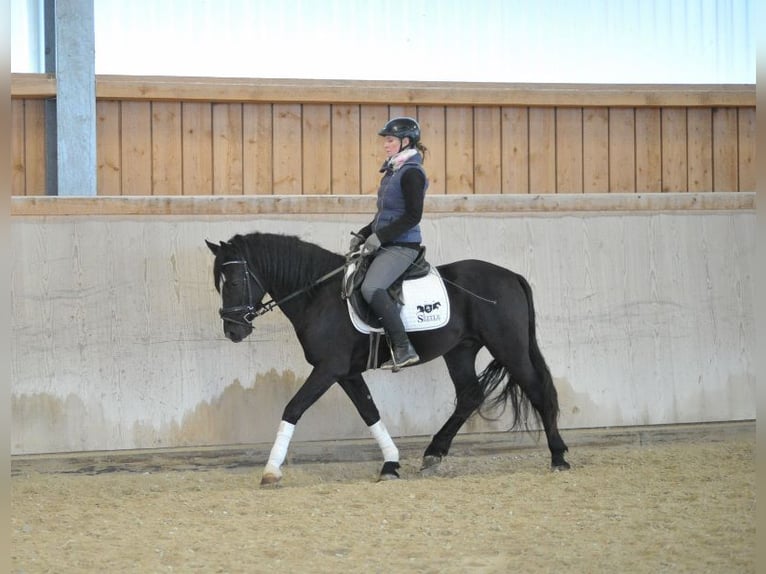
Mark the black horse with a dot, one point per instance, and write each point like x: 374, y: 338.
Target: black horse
x: 304, y: 281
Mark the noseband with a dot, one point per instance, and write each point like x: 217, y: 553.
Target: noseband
x: 245, y: 314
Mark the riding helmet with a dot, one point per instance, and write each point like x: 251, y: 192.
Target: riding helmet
x: 402, y: 128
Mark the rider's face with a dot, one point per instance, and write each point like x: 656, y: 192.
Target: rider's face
x: 393, y: 145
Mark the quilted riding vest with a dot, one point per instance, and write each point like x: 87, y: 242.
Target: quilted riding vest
x: 391, y: 204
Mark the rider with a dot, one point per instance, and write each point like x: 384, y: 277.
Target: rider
x: 394, y: 234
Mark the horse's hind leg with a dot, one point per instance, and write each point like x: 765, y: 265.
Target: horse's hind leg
x: 357, y: 390
x: 461, y: 366
x: 532, y: 376
x: 539, y: 389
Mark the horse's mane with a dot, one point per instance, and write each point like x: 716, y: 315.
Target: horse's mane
x: 287, y: 261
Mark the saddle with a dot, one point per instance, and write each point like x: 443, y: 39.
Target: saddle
x: 419, y: 291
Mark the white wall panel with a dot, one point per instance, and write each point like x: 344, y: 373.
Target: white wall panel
x: 644, y: 318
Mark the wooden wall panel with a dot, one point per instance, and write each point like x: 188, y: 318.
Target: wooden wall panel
x: 371, y: 119
x: 487, y: 167
x: 287, y: 149
x: 610, y: 142
x: 515, y: 154
x: 109, y: 147
x: 648, y: 151
x: 136, y: 121
x: 595, y: 126
x: 674, y: 150
x: 569, y: 152
x: 622, y: 150
x: 197, y: 148
x: 227, y: 149
x: 746, y: 148
x: 432, y: 121
x: 344, y: 160
x: 34, y: 146
x: 18, y: 161
x: 725, y: 161
x: 258, y: 159
x: 542, y: 150
x: 459, y: 150
x: 167, y: 149
x: 316, y: 146
x: 700, y: 142
x: 398, y: 111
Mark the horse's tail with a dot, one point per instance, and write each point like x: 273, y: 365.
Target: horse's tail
x: 495, y: 374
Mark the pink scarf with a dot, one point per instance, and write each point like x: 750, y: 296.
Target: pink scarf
x: 399, y: 159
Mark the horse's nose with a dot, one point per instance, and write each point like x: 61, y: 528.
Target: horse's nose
x: 233, y: 335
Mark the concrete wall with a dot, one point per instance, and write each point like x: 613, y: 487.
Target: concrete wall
x: 644, y: 318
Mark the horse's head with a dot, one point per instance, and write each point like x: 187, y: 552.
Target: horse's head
x: 241, y: 291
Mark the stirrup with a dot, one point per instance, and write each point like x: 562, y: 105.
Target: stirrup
x: 394, y: 366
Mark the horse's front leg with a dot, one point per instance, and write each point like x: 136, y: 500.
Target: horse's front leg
x: 315, y: 386
x: 357, y: 390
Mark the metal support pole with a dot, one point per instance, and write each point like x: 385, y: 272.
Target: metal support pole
x: 76, y: 97
x: 51, y: 163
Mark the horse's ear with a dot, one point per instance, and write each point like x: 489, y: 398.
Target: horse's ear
x: 213, y: 247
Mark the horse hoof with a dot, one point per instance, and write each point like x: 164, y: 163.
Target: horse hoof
x: 558, y: 467
x: 269, y: 480
x: 389, y: 471
x: 430, y: 464
x: 385, y: 477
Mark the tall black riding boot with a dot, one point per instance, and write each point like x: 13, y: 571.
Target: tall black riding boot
x: 403, y: 354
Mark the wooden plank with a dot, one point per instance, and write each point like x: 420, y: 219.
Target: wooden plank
x: 399, y: 111
x: 459, y: 150
x: 28, y: 86
x: 288, y: 153
x: 258, y: 129
x: 227, y: 149
x: 569, y: 151
x: 371, y: 119
x: 197, y: 148
x: 648, y: 151
x: 108, y: 147
x: 432, y: 121
x: 487, y: 168
x: 700, y: 134
x: 595, y: 126
x: 515, y: 134
x: 725, y: 164
x: 136, y: 157
x: 511, y: 204
x: 542, y: 150
x: 747, y: 135
x: 167, y: 149
x: 387, y: 92
x: 344, y: 160
x: 622, y: 150
x: 674, y: 150
x: 34, y: 146
x: 317, y: 149
x: 18, y: 161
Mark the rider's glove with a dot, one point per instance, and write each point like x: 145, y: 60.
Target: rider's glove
x: 372, y: 244
x: 356, y: 241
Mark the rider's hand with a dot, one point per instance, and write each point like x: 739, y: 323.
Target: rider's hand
x: 355, y: 242
x: 372, y: 244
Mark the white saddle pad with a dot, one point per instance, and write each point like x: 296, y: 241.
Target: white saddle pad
x: 426, y: 305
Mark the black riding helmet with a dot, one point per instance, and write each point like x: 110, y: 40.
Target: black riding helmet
x: 402, y: 128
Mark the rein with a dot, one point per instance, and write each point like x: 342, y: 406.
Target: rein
x: 251, y: 311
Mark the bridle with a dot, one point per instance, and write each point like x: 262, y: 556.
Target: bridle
x: 246, y: 314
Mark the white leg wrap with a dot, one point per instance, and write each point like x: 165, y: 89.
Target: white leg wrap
x: 279, y: 450
x: 390, y: 452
